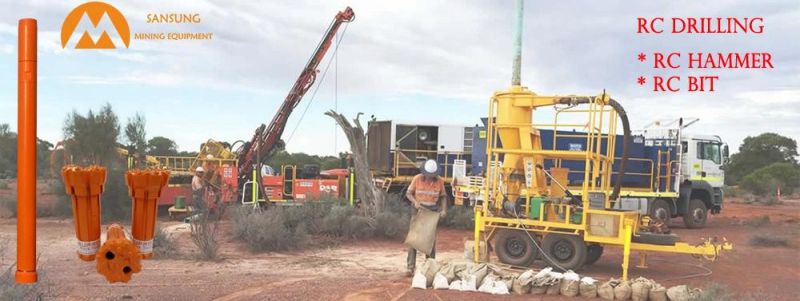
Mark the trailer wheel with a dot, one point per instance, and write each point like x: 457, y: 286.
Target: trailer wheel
x: 564, y: 251
x: 593, y: 253
x: 697, y: 214
x: 515, y: 247
x: 660, y: 211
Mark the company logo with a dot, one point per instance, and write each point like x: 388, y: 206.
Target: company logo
x: 98, y: 14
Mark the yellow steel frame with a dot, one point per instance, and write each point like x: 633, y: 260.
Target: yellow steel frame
x: 511, y: 121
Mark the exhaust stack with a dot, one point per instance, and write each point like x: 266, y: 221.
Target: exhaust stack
x: 517, y: 62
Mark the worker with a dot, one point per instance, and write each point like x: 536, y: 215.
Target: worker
x: 198, y: 189
x: 426, y: 192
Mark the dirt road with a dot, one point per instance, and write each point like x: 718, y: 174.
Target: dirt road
x: 374, y: 270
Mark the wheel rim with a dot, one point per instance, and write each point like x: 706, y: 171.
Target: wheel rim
x: 516, y: 247
x: 563, y: 251
x: 698, y: 215
x: 661, y: 214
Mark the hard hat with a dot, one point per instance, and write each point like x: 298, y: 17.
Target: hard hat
x: 430, y: 167
x: 199, y: 169
x: 209, y: 156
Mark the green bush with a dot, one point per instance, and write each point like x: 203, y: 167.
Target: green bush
x: 766, y: 180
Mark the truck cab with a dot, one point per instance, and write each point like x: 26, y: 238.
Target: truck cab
x: 701, y: 173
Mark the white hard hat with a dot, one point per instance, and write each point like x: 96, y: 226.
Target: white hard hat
x: 199, y: 169
x: 430, y: 167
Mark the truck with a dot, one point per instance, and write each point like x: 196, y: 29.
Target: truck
x: 664, y: 178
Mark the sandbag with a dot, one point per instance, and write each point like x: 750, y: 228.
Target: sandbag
x: 570, y: 285
x: 455, y: 285
x: 440, y: 282
x: 418, y: 281
x: 500, y: 288
x: 554, y: 288
x: 679, y: 293
x: 539, y: 290
x: 479, y: 271
x: 640, y: 289
x: 606, y: 290
x: 657, y: 293
x: 588, y: 287
x: 469, y: 284
x: 487, y: 285
x: 622, y: 291
x: 422, y: 231
x: 522, y: 283
x: 429, y: 269
x: 451, y: 270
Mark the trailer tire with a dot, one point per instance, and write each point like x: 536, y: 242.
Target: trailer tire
x: 514, y: 247
x: 661, y: 211
x: 564, y: 251
x: 593, y: 253
x: 696, y: 216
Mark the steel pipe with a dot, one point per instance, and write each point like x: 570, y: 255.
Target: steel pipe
x: 26, y: 153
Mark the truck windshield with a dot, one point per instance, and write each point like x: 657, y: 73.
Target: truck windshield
x: 709, y: 151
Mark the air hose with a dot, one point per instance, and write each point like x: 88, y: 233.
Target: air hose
x: 626, y: 135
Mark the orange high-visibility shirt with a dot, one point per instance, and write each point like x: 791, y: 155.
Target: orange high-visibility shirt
x: 426, y: 192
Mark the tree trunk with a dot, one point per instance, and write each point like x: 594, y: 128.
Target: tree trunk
x: 370, y: 195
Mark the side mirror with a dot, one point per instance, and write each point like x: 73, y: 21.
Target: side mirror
x: 725, y: 154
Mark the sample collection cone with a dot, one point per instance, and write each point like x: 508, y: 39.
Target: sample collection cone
x: 144, y: 187
x: 84, y: 186
x: 118, y: 258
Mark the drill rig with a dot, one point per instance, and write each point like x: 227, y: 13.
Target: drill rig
x: 524, y: 204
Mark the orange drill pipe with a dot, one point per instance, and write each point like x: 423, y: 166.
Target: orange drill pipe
x: 26, y: 153
x: 144, y: 187
x: 119, y: 258
x: 84, y: 186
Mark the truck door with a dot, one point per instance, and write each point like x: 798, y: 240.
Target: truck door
x: 709, y: 158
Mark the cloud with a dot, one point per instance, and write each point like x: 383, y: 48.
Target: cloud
x: 447, y: 51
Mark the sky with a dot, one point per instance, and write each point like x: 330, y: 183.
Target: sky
x: 433, y: 62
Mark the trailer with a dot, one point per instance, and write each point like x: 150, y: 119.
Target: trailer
x: 396, y: 149
x: 668, y: 174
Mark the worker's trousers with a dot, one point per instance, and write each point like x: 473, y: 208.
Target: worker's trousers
x: 412, y: 256
x: 198, y: 201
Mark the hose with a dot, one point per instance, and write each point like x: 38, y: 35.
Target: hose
x: 625, y: 140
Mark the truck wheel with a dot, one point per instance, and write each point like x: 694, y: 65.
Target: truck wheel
x: 515, y: 247
x: 564, y: 251
x: 697, y: 214
x: 593, y: 253
x: 661, y: 211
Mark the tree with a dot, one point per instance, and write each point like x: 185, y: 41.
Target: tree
x: 766, y: 180
x: 370, y: 195
x: 8, y: 154
x: 161, y: 146
x: 92, y: 139
x: 760, y: 151
x: 136, y: 137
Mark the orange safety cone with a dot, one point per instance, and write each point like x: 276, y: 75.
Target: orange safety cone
x: 84, y: 186
x: 119, y: 258
x: 144, y: 187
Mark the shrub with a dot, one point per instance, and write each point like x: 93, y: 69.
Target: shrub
x: 334, y: 222
x: 358, y: 227
x: 766, y: 180
x: 716, y: 292
x: 731, y: 191
x: 164, y: 246
x: 459, y: 217
x: 3, y: 185
x: 758, y: 221
x: 10, y: 290
x: 268, y: 230
x: 204, y: 234
x: 390, y: 225
x: 767, y: 240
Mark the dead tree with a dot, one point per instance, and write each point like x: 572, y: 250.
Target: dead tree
x: 370, y: 195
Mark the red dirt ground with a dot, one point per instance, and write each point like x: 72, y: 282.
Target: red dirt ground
x: 374, y: 270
